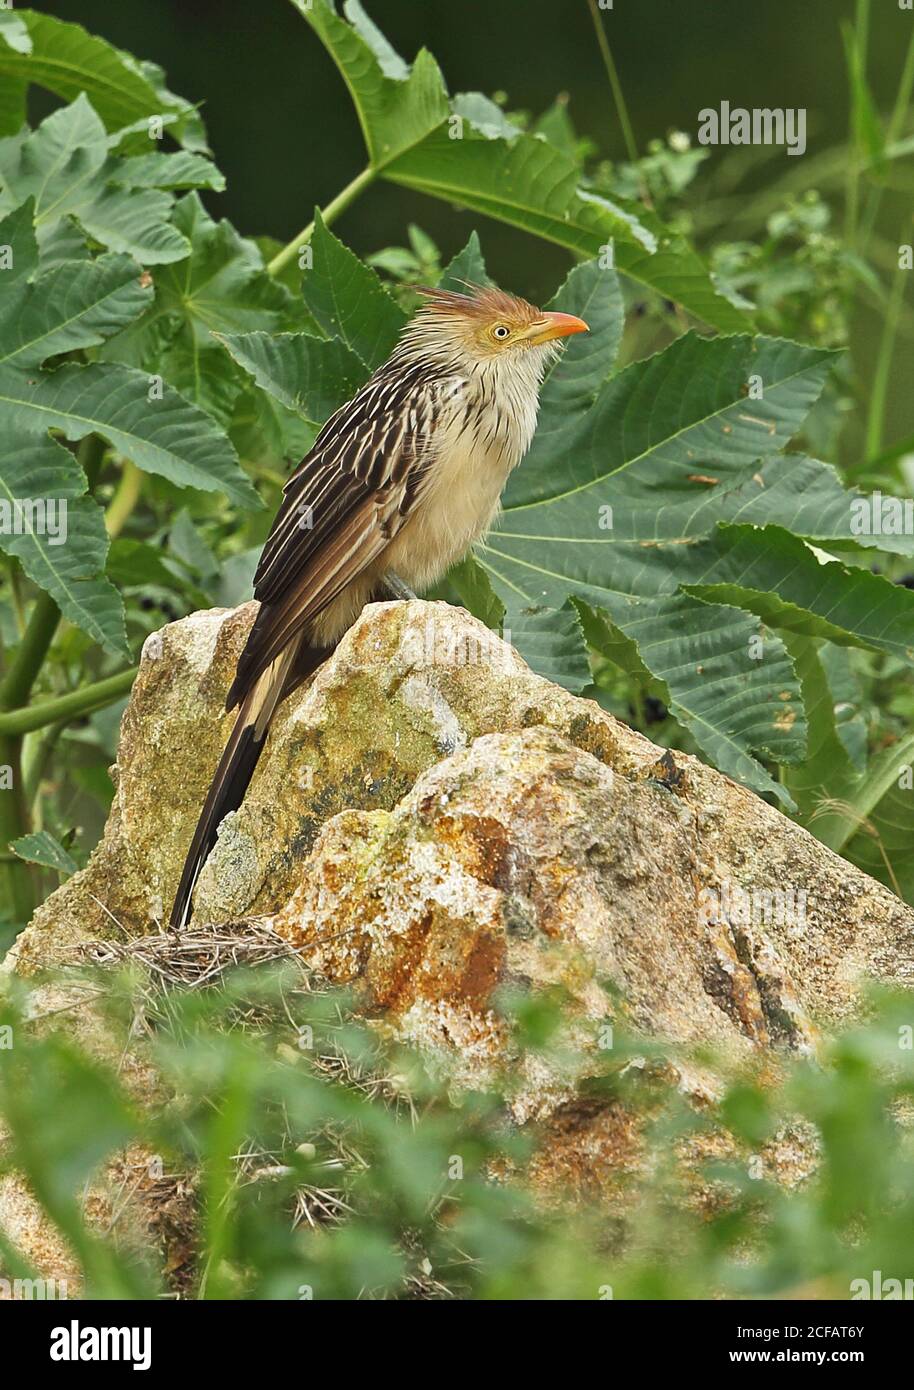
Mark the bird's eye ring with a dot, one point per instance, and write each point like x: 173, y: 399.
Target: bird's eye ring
x: 500, y: 331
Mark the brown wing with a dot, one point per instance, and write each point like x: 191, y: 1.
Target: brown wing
x: 341, y: 508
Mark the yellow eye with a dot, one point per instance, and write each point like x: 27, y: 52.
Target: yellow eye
x: 500, y: 331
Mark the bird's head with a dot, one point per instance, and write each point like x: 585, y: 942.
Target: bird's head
x: 487, y: 325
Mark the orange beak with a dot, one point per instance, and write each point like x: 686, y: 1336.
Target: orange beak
x: 557, y: 326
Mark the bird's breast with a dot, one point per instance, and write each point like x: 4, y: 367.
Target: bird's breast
x: 476, y: 446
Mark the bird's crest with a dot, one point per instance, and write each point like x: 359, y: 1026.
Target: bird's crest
x: 481, y: 302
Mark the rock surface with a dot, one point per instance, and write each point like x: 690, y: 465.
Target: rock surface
x: 432, y: 823
x: 427, y: 776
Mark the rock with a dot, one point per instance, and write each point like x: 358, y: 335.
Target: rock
x: 432, y: 823
x: 427, y: 771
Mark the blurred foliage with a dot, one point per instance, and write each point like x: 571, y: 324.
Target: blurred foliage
x: 295, y: 1153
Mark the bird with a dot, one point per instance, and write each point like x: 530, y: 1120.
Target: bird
x: 399, y: 483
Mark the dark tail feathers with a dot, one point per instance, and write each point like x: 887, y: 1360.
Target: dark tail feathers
x: 238, y: 761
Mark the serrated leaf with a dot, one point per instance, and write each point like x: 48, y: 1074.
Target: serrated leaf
x: 414, y: 138
x: 475, y: 591
x: 76, y: 305
x: 389, y: 60
x: 572, y: 383
x: 136, y: 563
x: 13, y: 112
x: 348, y: 301
x: 180, y: 170
x: 467, y: 268
x: 58, y: 534
x: 551, y: 642
x: 605, y: 509
x: 13, y: 32
x: 699, y: 657
x: 777, y: 576
x: 42, y: 848
x: 67, y: 60
x: 827, y: 776
x: 312, y: 376
x: 164, y: 435
x: 394, y: 112
x: 882, y: 843
x: 221, y: 287
x: 19, y: 247
x: 65, y: 166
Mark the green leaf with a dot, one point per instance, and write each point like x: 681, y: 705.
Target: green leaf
x: 41, y: 848
x: 389, y: 61
x: 18, y: 247
x: 484, y: 115
x: 221, y: 287
x: 348, y: 301
x: 13, y: 32
x: 13, y: 113
x: 608, y: 502
x: 164, y: 435
x: 76, y: 305
x: 417, y: 139
x: 57, y: 533
x: 572, y: 383
x: 475, y: 591
x: 827, y: 776
x: 67, y: 60
x: 467, y: 267
x: 181, y: 170
x: 133, y: 564
x: 394, y: 112
x: 884, y: 802
x: 777, y: 576
x: 65, y: 166
x: 698, y: 658
x: 311, y: 376
x: 551, y: 641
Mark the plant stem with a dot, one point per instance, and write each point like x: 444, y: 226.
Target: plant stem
x: 333, y: 209
x: 124, y: 499
x: 30, y: 653
x: 628, y: 134
x: 893, y: 131
x: 876, y: 414
x: 16, y: 878
x: 70, y: 706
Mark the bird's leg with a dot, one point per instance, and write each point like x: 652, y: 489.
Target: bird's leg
x: 392, y: 586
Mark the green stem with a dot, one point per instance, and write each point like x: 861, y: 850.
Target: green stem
x: 875, y: 419
x: 855, y: 39
x: 76, y: 703
x: 35, y: 754
x: 893, y: 132
x: 30, y: 653
x: 333, y: 209
x: 628, y: 133
x: 124, y: 499
x: 17, y: 890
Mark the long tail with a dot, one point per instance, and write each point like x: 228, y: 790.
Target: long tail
x: 238, y: 761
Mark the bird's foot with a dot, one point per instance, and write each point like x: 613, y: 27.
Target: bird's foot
x: 391, y: 586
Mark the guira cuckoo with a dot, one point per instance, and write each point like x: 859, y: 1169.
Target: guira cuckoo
x: 400, y: 482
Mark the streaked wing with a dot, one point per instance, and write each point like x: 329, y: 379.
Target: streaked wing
x: 342, y: 507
